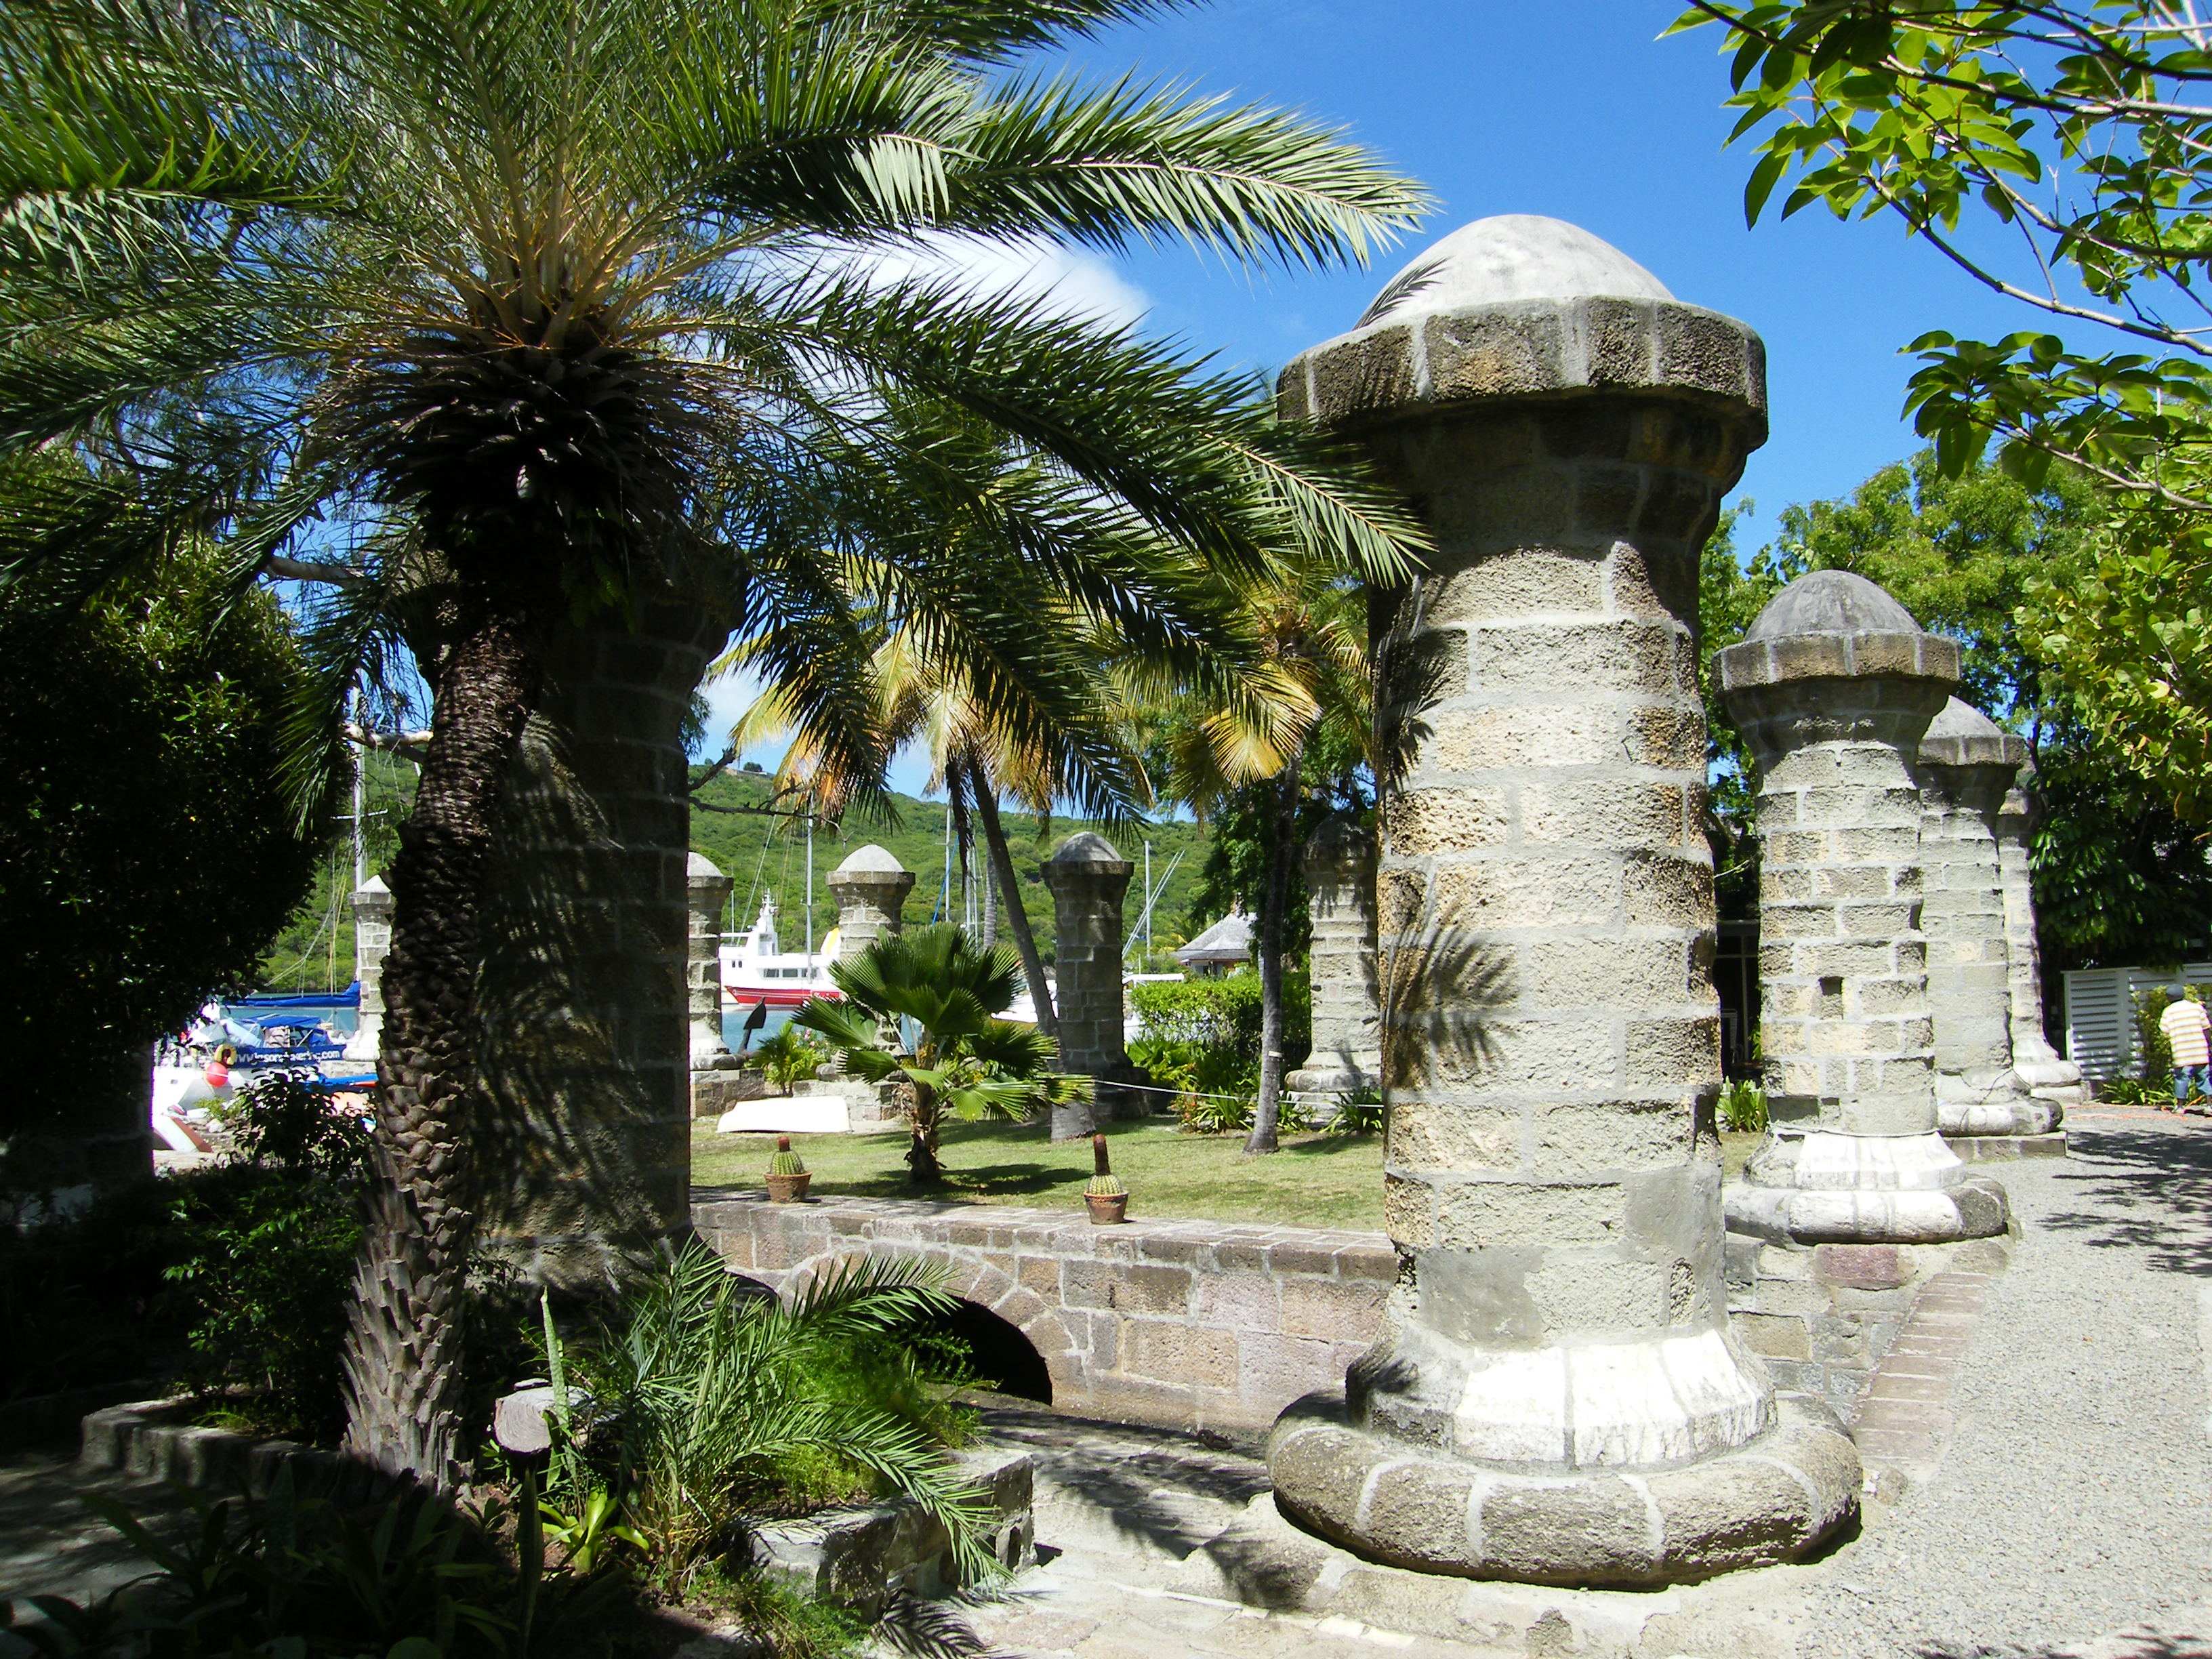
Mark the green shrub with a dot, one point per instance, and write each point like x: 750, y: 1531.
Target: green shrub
x: 789, y: 1057
x: 709, y: 1404
x: 1362, y: 1114
x: 234, y: 1280
x: 1214, y: 1114
x: 2155, y: 1062
x: 2135, y: 1091
x: 1742, y: 1105
x: 304, y: 1578
x: 82, y: 1300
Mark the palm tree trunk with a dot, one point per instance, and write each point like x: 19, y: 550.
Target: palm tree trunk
x: 1274, y: 897
x: 923, y: 1168
x: 403, y: 1357
x: 1010, y: 892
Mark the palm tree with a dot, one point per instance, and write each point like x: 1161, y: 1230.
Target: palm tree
x: 499, y: 317
x: 1312, y: 731
x: 967, y: 1061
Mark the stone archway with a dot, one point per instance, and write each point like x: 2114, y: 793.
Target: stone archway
x: 991, y: 1290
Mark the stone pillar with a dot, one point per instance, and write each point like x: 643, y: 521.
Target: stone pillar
x: 1834, y: 687
x: 1340, y: 869
x: 372, y: 940
x: 585, y: 1154
x: 2040, y: 1068
x: 1557, y: 1396
x: 716, y: 1077
x: 1088, y: 879
x: 870, y: 888
x: 1967, y: 764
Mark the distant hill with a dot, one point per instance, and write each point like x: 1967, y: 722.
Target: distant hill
x: 315, y: 951
x: 765, y: 853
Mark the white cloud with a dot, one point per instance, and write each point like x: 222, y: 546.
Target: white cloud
x: 1076, y: 283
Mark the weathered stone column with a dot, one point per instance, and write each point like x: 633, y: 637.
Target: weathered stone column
x: 870, y: 889
x: 716, y: 1076
x: 1834, y: 687
x: 585, y: 1156
x: 372, y: 940
x: 1088, y: 879
x: 706, y: 892
x: 1557, y: 1396
x: 1966, y: 764
x: 1339, y: 871
x: 2045, y: 1073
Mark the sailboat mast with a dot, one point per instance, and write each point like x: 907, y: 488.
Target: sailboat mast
x: 360, y: 799
x: 810, y: 887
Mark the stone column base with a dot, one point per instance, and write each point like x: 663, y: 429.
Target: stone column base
x: 1821, y: 1187
x: 1996, y: 1115
x: 2059, y: 1081
x: 1332, y: 1079
x: 1768, y: 1501
x: 1998, y: 1105
x: 714, y: 1092
x: 1998, y: 1149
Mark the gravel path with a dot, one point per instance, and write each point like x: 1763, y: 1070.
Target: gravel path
x: 2076, y: 1499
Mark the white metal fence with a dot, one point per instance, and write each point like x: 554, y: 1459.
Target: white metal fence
x: 2100, y: 1005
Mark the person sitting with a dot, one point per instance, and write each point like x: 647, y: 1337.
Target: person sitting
x: 2186, y: 1028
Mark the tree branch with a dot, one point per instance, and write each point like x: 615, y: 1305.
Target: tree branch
x: 310, y: 570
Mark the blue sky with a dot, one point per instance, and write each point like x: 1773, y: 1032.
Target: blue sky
x: 1572, y: 108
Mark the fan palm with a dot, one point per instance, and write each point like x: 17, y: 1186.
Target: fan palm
x: 966, y: 1061
x: 498, y: 319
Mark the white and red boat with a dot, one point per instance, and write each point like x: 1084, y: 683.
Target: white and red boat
x: 757, y: 969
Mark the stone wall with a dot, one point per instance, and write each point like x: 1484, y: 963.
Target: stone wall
x: 1181, y: 1324
x: 1824, y: 1318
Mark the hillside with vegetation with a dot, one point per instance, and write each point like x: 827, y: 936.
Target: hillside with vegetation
x: 763, y: 853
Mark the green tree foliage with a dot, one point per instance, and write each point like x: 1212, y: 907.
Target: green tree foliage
x: 566, y: 310
x: 2118, y: 877
x: 2059, y: 154
x: 148, y: 856
x: 1730, y: 595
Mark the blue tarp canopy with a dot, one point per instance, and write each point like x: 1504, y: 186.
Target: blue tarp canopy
x: 348, y: 998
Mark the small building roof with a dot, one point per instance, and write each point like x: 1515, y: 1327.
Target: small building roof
x: 1229, y: 940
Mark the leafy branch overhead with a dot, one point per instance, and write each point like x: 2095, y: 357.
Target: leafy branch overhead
x: 2060, y: 154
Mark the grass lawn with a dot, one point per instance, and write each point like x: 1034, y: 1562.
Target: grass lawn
x: 1315, y: 1181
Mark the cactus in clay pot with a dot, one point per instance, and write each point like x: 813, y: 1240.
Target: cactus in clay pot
x: 1104, y: 1195
x: 787, y: 1174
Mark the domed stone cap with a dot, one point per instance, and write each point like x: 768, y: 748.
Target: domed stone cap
x: 1513, y: 256
x: 1087, y: 852
x: 871, y: 866
x: 1831, y: 602
x: 870, y: 859
x: 1833, y: 624
x: 1961, y: 735
x: 700, y: 867
x: 1522, y: 306
x: 1342, y: 836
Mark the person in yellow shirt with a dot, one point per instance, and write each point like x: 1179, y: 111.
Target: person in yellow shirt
x: 2188, y: 1033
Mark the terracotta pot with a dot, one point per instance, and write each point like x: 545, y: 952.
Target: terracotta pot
x: 1106, y: 1212
x: 788, y: 1189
